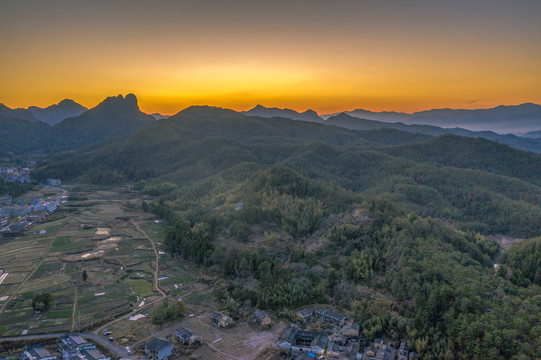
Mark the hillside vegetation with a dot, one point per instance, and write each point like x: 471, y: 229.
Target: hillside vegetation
x: 387, y: 226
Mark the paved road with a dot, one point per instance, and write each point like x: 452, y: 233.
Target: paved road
x: 114, y: 348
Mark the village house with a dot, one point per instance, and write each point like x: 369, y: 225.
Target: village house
x: 262, y: 319
x: 53, y: 182
x: 21, y: 210
x: 403, y: 351
x: 159, y: 349
x: 187, y: 337
x: 93, y: 354
x: 344, y: 342
x: 16, y: 229
x: 36, y: 352
x: 6, y: 211
x: 36, y: 216
x: 379, y: 350
x: 35, y: 201
x: 13, y: 174
x: 329, y: 316
x: 6, y: 200
x: 351, y: 330
x: 305, y: 315
x: 221, y: 320
x: 343, y: 349
x: 71, y: 346
x: 296, y: 341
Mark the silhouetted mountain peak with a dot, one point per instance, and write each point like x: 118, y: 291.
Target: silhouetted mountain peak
x: 55, y: 113
x: 310, y: 112
x: 67, y: 102
x: 131, y: 99
x: 207, y: 111
x: 127, y: 103
x: 18, y: 113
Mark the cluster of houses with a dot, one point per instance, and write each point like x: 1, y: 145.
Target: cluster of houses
x: 71, y: 347
x: 159, y: 349
x: 18, y: 216
x: 343, y: 342
x: 14, y: 174
x: 382, y: 350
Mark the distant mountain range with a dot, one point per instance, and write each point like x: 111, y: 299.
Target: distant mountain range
x: 533, y: 134
x: 159, y: 116
x: 515, y: 119
x: 51, y: 115
x: 114, y: 117
x: 56, y: 113
x: 532, y: 143
x: 522, y: 119
x: 120, y: 116
x: 264, y: 112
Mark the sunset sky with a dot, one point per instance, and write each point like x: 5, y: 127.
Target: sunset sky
x: 326, y: 55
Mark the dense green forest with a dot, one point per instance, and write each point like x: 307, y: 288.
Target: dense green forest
x: 522, y: 263
x: 488, y: 187
x: 13, y: 188
x: 387, y: 226
x: 401, y: 275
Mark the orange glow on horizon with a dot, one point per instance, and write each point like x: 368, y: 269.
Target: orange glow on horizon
x: 338, y: 56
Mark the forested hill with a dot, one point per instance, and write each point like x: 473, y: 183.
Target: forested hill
x: 531, y: 143
x: 114, y: 117
x: 451, y: 150
x: 22, y: 136
x: 383, y: 225
x: 486, y: 186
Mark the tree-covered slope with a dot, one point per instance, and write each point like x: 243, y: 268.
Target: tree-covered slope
x: 392, y: 236
x: 21, y: 136
x: 481, y: 185
x: 115, y: 116
x: 482, y: 154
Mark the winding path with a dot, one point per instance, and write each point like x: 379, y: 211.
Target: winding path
x: 75, y: 299
x: 155, y: 285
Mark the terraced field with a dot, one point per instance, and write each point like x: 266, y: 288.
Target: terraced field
x: 93, y: 232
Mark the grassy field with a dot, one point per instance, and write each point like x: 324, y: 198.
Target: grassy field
x: 95, y: 235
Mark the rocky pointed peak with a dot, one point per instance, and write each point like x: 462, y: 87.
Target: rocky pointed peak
x: 129, y: 102
x: 131, y: 99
